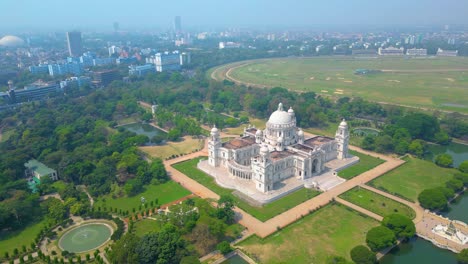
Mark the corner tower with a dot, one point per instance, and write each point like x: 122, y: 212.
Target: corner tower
x: 342, y: 139
x: 214, y: 144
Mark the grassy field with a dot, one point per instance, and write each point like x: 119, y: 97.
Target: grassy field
x: 165, y: 193
x: 187, y: 145
x: 6, y: 135
x: 264, y: 213
x: 332, y: 230
x: 376, y: 203
x: 411, y: 178
x: 236, y: 131
x: 11, y: 240
x: 365, y: 163
x: 421, y: 82
x: 146, y: 226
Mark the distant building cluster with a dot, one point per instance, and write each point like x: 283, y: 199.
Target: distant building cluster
x: 391, y: 51
x: 416, y: 52
x: 447, y: 53
x: 229, y: 45
x: 162, y: 62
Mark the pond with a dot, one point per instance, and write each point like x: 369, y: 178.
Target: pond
x: 422, y: 251
x: 86, y: 237
x: 143, y: 129
x: 419, y: 251
x: 363, y: 131
x: 459, y: 152
x: 236, y: 259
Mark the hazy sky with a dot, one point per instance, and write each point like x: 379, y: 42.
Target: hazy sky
x: 79, y: 14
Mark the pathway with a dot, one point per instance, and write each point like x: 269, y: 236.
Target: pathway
x: 263, y: 229
x: 83, y: 188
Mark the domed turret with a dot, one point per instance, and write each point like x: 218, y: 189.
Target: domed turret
x: 214, y: 130
x: 343, y: 123
x: 259, y: 132
x: 291, y: 111
x: 279, y: 144
x: 258, y: 136
x: 300, y: 136
x: 264, y: 150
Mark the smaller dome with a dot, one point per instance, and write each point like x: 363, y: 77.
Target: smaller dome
x: 214, y: 129
x: 264, y: 149
x: 291, y: 111
x: 259, y: 132
x: 343, y: 123
x: 300, y: 133
x: 280, y: 140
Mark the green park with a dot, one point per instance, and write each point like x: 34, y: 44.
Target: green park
x: 400, y: 81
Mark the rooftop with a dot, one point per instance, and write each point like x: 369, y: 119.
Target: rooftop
x: 238, y: 143
x: 277, y: 155
x: 38, y: 167
x: 317, y: 141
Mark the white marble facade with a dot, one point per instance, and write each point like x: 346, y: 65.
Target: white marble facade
x: 278, y: 152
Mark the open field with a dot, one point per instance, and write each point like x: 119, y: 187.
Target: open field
x: 331, y: 231
x: 165, y: 193
x: 236, y: 131
x: 376, y: 203
x: 146, y: 226
x: 11, y: 240
x: 419, y: 82
x: 411, y: 178
x: 186, y: 145
x: 365, y: 163
x: 263, y: 213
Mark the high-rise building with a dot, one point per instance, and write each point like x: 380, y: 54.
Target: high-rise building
x: 167, y: 61
x: 75, y: 48
x: 116, y: 26
x: 178, y: 24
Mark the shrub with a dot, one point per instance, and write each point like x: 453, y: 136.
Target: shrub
x: 224, y: 247
x: 380, y: 237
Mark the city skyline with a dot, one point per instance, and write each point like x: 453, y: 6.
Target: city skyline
x: 69, y: 15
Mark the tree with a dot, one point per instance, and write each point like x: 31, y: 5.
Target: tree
x: 166, y: 246
x: 362, y: 255
x: 124, y: 250
x: 416, y: 147
x: 462, y: 257
x: 463, y: 177
x: 338, y: 260
x: 224, y: 247
x: 463, y: 167
x: 455, y: 185
x: 173, y: 134
x: 442, y: 138
x: 444, y: 160
x: 225, y: 206
x: 433, y: 199
x: 401, y: 225
x: 380, y: 237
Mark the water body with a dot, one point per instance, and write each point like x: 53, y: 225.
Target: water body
x: 236, y: 259
x: 419, y: 251
x: 144, y: 129
x: 459, y: 209
x: 422, y: 251
x: 459, y: 152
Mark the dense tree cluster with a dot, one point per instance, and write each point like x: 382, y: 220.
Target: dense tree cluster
x: 362, y: 255
x: 380, y: 237
x: 401, y: 225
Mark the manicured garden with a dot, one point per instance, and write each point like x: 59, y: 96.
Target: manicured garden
x: 146, y: 226
x: 376, y: 203
x: 413, y: 177
x: 264, y: 213
x: 11, y: 240
x: 366, y: 162
x: 331, y: 231
x: 164, y: 193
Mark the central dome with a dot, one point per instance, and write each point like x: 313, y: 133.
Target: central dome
x: 280, y: 117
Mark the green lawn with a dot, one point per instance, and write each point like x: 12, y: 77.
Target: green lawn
x: 331, y: 231
x: 11, y: 240
x: 376, y: 203
x: 263, y: 213
x: 411, y: 178
x: 165, y: 193
x: 424, y: 84
x: 366, y: 162
x: 146, y: 226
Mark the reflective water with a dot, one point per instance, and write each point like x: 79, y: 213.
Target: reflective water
x: 459, y: 152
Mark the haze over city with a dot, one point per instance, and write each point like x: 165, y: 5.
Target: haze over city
x: 89, y: 14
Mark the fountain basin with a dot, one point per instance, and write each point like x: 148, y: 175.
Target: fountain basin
x: 85, y: 237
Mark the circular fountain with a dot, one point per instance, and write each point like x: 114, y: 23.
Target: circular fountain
x: 85, y: 237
